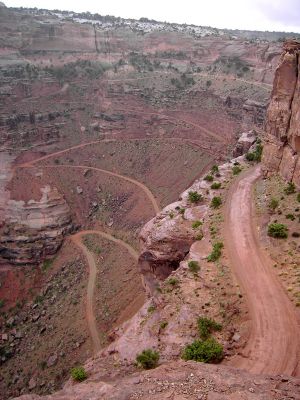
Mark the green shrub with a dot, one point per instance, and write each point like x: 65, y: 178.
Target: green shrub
x: 290, y: 188
x: 216, y: 185
x: 298, y: 197
x: 194, y: 266
x: 163, y: 324
x: 208, y: 350
x: 214, y: 169
x: 78, y: 374
x: 216, y: 202
x: 236, y: 170
x: 250, y: 156
x: 216, y: 252
x: 196, y: 224
x: 256, y: 155
x: 151, y: 309
x: 195, y: 197
x: 273, y: 203
x: 290, y: 216
x: 209, y: 178
x: 173, y: 281
x: 206, y: 326
x: 276, y: 230
x: 148, y: 359
x: 199, y: 236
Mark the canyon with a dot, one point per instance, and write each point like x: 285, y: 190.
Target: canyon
x: 124, y: 154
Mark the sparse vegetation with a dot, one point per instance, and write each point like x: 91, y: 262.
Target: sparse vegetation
x: 195, y: 197
x: 290, y: 188
x: 214, y: 169
x: 256, y: 155
x: 206, y: 326
x: 2, y: 302
x: 236, y: 169
x: 196, y: 224
x: 279, y: 231
x: 78, y: 374
x: 173, y: 281
x: 216, y: 252
x: 151, y: 309
x: 273, y: 203
x: 216, y: 202
x: 216, y: 185
x: 298, y: 197
x: 148, y: 359
x: 194, y: 266
x: 209, y: 178
x: 163, y: 324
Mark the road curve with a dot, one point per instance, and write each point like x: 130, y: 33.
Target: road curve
x: 90, y: 316
x: 126, y: 178
x: 273, y: 346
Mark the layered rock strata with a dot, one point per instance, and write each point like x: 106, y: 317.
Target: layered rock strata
x: 282, y: 142
x: 34, y: 230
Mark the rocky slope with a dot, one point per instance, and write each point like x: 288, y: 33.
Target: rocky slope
x: 282, y: 143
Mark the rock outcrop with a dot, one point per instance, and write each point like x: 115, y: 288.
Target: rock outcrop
x: 34, y: 230
x: 282, y: 143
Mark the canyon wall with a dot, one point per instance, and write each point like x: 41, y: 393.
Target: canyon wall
x: 282, y: 142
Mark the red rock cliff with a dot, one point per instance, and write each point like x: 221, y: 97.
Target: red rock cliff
x: 282, y: 143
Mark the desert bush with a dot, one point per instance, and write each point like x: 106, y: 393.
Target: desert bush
x: 78, y: 374
x: 209, y: 178
x: 276, y: 230
x: 216, y: 202
x: 290, y: 188
x: 195, y: 197
x: 216, y: 185
x: 290, y: 216
x: 214, y: 169
x: 163, y: 324
x: 256, y: 155
x: 216, y: 252
x: 148, y: 359
x: 236, y: 170
x: 173, y: 281
x: 208, y: 350
x: 206, y: 326
x: 298, y: 197
x: 194, y: 266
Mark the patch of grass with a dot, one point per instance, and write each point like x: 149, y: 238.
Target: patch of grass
x: 276, y: 230
x: 236, y: 170
x: 216, y: 185
x: 208, y: 178
x: 273, y: 203
x: 194, y: 266
x: 46, y: 265
x: 196, y: 224
x: 290, y: 188
x: 195, y: 197
x: 216, y: 252
x: 148, y: 359
x: 79, y: 374
x: 206, y: 326
x: 216, y: 202
x: 207, y: 351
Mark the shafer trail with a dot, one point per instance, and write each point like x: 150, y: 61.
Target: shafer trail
x: 274, y: 343
x: 90, y: 315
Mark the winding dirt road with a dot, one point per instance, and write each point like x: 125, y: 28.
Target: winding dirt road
x: 90, y: 315
x: 273, y: 345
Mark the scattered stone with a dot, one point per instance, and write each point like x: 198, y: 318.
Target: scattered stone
x: 52, y: 360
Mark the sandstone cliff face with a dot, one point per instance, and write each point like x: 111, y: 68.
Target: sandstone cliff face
x: 282, y: 143
x: 35, y: 229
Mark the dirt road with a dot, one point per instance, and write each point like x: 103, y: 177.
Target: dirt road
x: 126, y: 178
x: 90, y: 316
x: 274, y: 343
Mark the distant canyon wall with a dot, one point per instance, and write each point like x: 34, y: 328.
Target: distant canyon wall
x: 282, y: 142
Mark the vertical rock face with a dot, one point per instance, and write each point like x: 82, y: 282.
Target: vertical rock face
x: 282, y: 143
x: 34, y: 230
